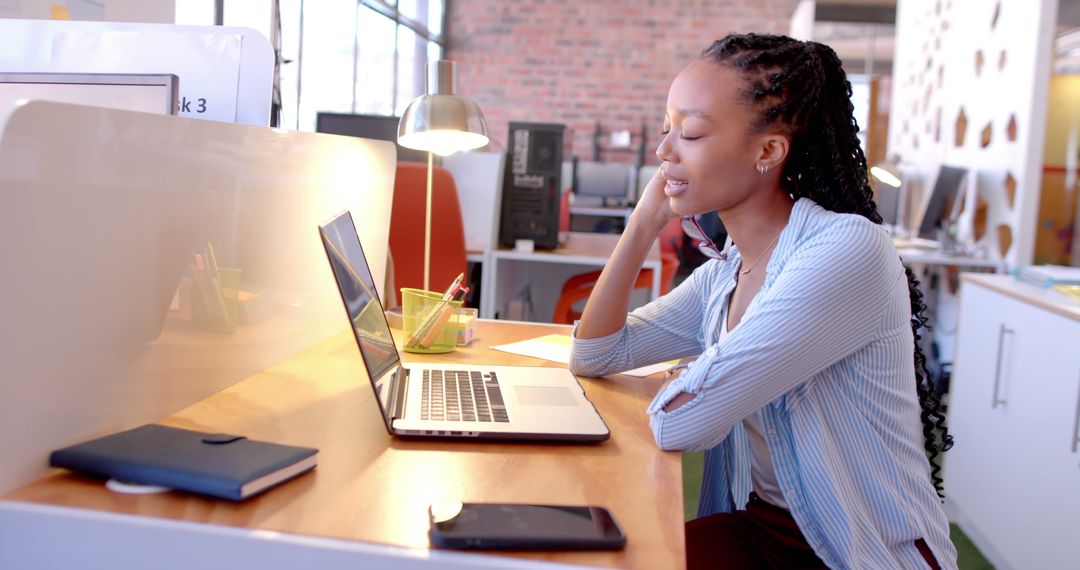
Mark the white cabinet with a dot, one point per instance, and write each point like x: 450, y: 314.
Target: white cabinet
x: 1012, y: 480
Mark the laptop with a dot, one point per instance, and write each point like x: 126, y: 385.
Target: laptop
x: 452, y: 400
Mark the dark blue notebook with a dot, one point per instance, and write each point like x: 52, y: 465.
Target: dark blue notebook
x: 219, y: 465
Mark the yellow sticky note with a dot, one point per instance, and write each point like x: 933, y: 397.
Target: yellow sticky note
x: 559, y: 339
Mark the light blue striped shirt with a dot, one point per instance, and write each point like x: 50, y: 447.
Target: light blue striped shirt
x: 825, y: 351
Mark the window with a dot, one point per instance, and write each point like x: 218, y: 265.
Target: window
x: 374, y: 90
x: 344, y: 56
x: 358, y: 56
x: 327, y: 60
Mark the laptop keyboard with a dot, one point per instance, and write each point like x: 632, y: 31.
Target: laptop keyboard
x: 460, y: 395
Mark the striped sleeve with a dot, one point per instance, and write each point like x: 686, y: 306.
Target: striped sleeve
x: 665, y: 329
x: 816, y: 311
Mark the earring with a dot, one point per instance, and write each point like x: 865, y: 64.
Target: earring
x: 760, y: 169
x: 766, y: 171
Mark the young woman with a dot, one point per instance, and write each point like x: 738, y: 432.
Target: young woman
x: 809, y: 391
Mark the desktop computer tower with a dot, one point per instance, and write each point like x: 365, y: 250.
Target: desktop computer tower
x: 532, y: 185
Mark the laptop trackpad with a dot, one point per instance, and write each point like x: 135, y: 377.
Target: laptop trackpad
x: 545, y: 396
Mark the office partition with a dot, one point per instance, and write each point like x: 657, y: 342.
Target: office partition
x: 153, y: 260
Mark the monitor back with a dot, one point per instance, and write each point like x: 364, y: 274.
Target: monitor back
x: 149, y: 93
x: 942, y: 203
x: 609, y: 182
x: 378, y: 127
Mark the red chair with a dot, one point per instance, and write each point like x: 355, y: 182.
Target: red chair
x: 407, y: 228
x: 579, y: 287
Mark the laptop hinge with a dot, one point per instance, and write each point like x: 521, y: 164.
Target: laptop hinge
x: 399, y: 383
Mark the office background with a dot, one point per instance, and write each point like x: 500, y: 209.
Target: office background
x: 603, y: 67
x: 609, y: 64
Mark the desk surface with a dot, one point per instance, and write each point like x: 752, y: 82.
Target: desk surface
x: 375, y: 488
x: 1047, y: 299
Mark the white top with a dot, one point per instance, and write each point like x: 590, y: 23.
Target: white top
x: 762, y: 474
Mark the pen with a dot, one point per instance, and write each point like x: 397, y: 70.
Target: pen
x: 210, y: 257
x: 453, y: 288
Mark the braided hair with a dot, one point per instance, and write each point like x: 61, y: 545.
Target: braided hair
x: 801, y: 89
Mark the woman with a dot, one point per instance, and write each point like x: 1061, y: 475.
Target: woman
x: 806, y: 394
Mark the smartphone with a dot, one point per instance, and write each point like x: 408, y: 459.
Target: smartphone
x: 504, y: 526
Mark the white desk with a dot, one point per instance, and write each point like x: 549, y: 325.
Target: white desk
x: 622, y: 214
x: 920, y: 251
x: 601, y: 211
x: 506, y: 271
x: 918, y: 256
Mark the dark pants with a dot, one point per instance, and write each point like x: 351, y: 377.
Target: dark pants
x: 762, y: 536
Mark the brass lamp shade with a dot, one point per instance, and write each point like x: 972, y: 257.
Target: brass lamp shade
x: 442, y: 122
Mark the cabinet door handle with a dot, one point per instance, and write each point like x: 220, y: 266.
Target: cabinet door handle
x: 1076, y: 426
x: 997, y: 370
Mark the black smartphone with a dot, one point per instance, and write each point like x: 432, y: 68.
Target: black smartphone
x: 503, y: 526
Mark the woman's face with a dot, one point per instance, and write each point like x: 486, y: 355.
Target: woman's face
x: 710, y: 155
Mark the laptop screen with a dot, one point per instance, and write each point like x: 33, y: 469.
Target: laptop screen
x: 361, y: 300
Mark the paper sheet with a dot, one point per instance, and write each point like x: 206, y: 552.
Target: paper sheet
x: 651, y: 369
x: 556, y: 348
x: 553, y: 347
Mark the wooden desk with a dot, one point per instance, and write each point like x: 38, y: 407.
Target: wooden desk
x: 510, y: 271
x: 373, y: 488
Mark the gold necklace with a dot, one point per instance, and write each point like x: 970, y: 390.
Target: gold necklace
x: 767, y: 249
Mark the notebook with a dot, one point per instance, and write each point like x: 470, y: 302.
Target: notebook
x: 220, y: 465
x: 452, y: 399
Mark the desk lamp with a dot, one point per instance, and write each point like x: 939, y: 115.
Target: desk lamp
x: 885, y: 173
x: 440, y: 122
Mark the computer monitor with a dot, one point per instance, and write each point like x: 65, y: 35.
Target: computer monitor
x: 149, y: 93
x: 378, y: 127
x: 942, y: 204
x: 607, y: 183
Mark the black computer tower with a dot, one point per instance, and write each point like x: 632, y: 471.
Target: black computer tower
x: 532, y: 185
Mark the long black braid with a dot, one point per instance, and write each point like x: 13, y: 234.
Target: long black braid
x: 801, y: 89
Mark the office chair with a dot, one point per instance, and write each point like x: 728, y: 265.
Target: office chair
x: 579, y: 287
x: 407, y: 228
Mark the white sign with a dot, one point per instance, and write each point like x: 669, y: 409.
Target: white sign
x: 208, y: 65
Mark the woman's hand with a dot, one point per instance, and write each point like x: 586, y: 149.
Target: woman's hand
x: 669, y: 376
x: 654, y: 204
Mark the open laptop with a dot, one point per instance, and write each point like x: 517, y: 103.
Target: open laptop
x: 452, y: 400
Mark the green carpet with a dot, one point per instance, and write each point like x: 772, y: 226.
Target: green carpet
x: 968, y: 556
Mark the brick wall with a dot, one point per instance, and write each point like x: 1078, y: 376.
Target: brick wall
x: 587, y: 61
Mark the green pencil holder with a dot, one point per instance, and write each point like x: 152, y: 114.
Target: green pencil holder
x: 215, y: 302
x: 427, y: 320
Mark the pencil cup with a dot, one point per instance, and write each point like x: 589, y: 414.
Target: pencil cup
x: 215, y: 298
x: 427, y: 321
